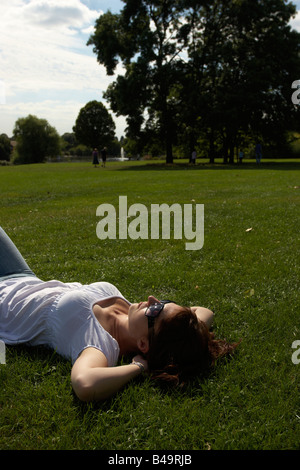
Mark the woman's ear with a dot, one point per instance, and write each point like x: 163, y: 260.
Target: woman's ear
x: 143, y: 344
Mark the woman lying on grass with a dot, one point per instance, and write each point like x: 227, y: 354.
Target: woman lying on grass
x: 94, y: 325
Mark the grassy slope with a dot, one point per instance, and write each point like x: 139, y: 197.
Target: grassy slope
x: 249, y: 278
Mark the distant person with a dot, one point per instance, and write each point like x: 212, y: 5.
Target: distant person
x: 241, y: 156
x: 95, y: 156
x: 103, y: 156
x: 194, y: 156
x: 258, y: 152
x: 94, y: 325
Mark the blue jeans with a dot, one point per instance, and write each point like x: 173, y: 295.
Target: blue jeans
x: 12, y: 263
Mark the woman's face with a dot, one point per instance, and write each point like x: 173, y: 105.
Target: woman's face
x: 137, y: 320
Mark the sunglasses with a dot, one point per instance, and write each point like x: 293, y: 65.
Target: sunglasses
x: 154, y: 310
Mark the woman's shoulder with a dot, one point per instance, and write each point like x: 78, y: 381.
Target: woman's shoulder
x: 106, y: 289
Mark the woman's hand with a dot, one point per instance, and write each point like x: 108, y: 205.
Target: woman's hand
x: 142, y: 360
x: 204, y: 314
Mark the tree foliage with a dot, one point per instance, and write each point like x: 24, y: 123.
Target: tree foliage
x: 5, y: 147
x: 36, y: 140
x: 94, y: 125
x: 213, y: 69
x: 141, y: 36
x: 243, y: 57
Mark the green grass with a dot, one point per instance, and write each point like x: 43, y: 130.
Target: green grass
x: 250, y: 279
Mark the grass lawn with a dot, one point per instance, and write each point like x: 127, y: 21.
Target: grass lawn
x: 249, y: 278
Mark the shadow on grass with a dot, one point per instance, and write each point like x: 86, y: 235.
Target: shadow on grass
x: 39, y: 355
x: 159, y: 166
x: 145, y: 386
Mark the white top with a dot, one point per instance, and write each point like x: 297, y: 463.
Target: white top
x: 56, y: 314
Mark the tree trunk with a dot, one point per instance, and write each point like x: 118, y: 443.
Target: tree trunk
x: 225, y: 153
x: 231, y: 153
x: 211, y: 147
x: 169, y: 157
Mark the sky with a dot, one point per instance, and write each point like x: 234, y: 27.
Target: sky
x: 46, y: 68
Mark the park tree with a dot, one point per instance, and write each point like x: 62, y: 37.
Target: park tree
x: 5, y: 147
x: 219, y: 68
x: 143, y: 37
x: 36, y: 140
x: 94, y: 125
x: 242, y: 58
x: 68, y: 140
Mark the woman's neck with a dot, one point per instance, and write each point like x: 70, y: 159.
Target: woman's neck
x: 126, y: 343
x: 113, y: 316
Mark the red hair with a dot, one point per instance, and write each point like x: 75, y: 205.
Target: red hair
x: 183, y: 348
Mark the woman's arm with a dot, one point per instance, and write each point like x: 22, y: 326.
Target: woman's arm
x: 92, y: 380
x: 204, y: 314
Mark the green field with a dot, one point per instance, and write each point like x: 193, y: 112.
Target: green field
x: 249, y: 278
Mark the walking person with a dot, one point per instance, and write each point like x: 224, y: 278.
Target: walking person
x: 258, y: 153
x: 103, y: 156
x: 95, y: 155
x: 194, y: 156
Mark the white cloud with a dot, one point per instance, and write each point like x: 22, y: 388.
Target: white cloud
x: 60, y: 114
x: 49, y: 13
x: 46, y: 68
x: 2, y: 92
x: 295, y: 22
x: 57, y: 113
x: 46, y: 54
x: 90, y: 30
